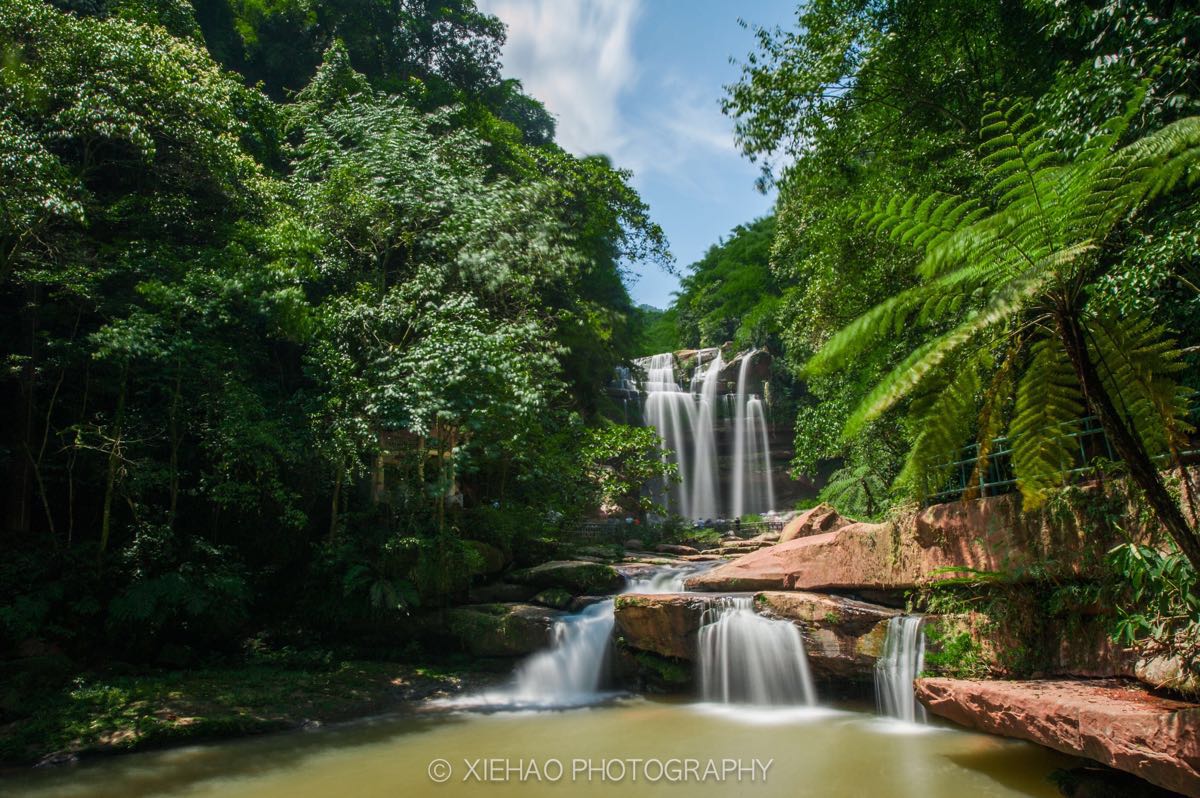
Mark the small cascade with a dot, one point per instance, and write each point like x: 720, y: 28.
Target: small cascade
x: 748, y: 659
x: 902, y: 661
x: 574, y: 669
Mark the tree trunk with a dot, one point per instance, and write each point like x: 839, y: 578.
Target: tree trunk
x: 337, y: 498
x: 1128, y: 446
x: 110, y: 479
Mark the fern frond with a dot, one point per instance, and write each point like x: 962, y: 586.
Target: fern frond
x: 1047, y: 409
x: 1014, y: 151
x: 943, y: 419
x: 1139, y: 363
x: 993, y: 413
x: 913, y: 370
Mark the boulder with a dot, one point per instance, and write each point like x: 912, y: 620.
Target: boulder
x: 1125, y: 727
x: 985, y: 535
x: 489, y: 559
x: 554, y: 597
x: 842, y: 637
x: 822, y: 518
x: 577, y: 576
x: 580, y: 603
x: 671, y: 548
x: 634, y: 544
x: 498, y: 630
x: 661, y: 623
x: 500, y: 592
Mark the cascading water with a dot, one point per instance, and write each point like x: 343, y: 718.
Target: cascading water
x: 703, y: 485
x: 902, y: 661
x: 748, y: 659
x: 752, y: 491
x: 573, y: 670
x: 671, y: 411
x: 687, y: 419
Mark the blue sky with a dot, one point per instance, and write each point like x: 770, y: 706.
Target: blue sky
x: 641, y: 81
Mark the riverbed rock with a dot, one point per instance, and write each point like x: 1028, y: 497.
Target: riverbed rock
x: 843, y: 637
x: 940, y: 541
x: 674, y: 548
x: 489, y: 559
x: 495, y: 592
x: 578, y: 576
x: 498, y: 630
x: 661, y: 623
x: 554, y: 597
x: 1112, y: 722
x: 822, y: 518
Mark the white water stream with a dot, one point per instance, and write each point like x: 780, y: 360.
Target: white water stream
x: 902, y: 661
x: 745, y: 658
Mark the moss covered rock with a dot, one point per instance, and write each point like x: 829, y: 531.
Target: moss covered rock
x: 497, y: 630
x: 576, y: 576
x: 554, y: 597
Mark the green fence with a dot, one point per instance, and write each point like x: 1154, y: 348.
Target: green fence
x: 1092, y: 445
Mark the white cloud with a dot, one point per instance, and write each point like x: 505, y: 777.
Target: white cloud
x: 576, y: 56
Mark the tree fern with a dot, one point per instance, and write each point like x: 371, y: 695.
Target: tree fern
x: 1010, y: 274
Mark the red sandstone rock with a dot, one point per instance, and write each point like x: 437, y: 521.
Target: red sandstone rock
x: 821, y: 518
x: 843, y: 637
x: 1125, y: 727
x: 662, y: 623
x: 987, y: 535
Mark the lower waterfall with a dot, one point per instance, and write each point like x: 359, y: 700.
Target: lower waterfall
x: 902, y: 661
x: 748, y: 659
x: 574, y: 669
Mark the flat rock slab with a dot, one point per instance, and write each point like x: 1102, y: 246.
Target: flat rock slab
x: 1112, y: 722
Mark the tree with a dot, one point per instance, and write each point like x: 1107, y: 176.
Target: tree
x: 1014, y: 336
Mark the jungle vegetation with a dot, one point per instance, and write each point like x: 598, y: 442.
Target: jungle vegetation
x: 299, y: 304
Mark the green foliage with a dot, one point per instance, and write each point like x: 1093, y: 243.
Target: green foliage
x: 856, y: 491
x: 621, y: 460
x: 730, y: 293
x: 953, y: 653
x: 1158, y: 610
x: 327, y: 327
x: 1015, y: 275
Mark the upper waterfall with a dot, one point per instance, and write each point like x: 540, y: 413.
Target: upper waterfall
x: 697, y: 406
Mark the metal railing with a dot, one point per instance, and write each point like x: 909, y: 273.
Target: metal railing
x: 1092, y: 445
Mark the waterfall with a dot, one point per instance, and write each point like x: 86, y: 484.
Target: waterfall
x: 687, y: 419
x: 752, y: 491
x: 574, y: 669
x: 902, y: 661
x: 762, y: 491
x: 748, y: 659
x: 704, y: 487
x: 671, y: 411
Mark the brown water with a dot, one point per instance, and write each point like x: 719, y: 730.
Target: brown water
x: 815, y: 753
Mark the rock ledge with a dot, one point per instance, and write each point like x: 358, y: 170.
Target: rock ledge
x: 1123, y: 726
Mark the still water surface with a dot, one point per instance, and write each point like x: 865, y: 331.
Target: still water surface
x: 817, y: 753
